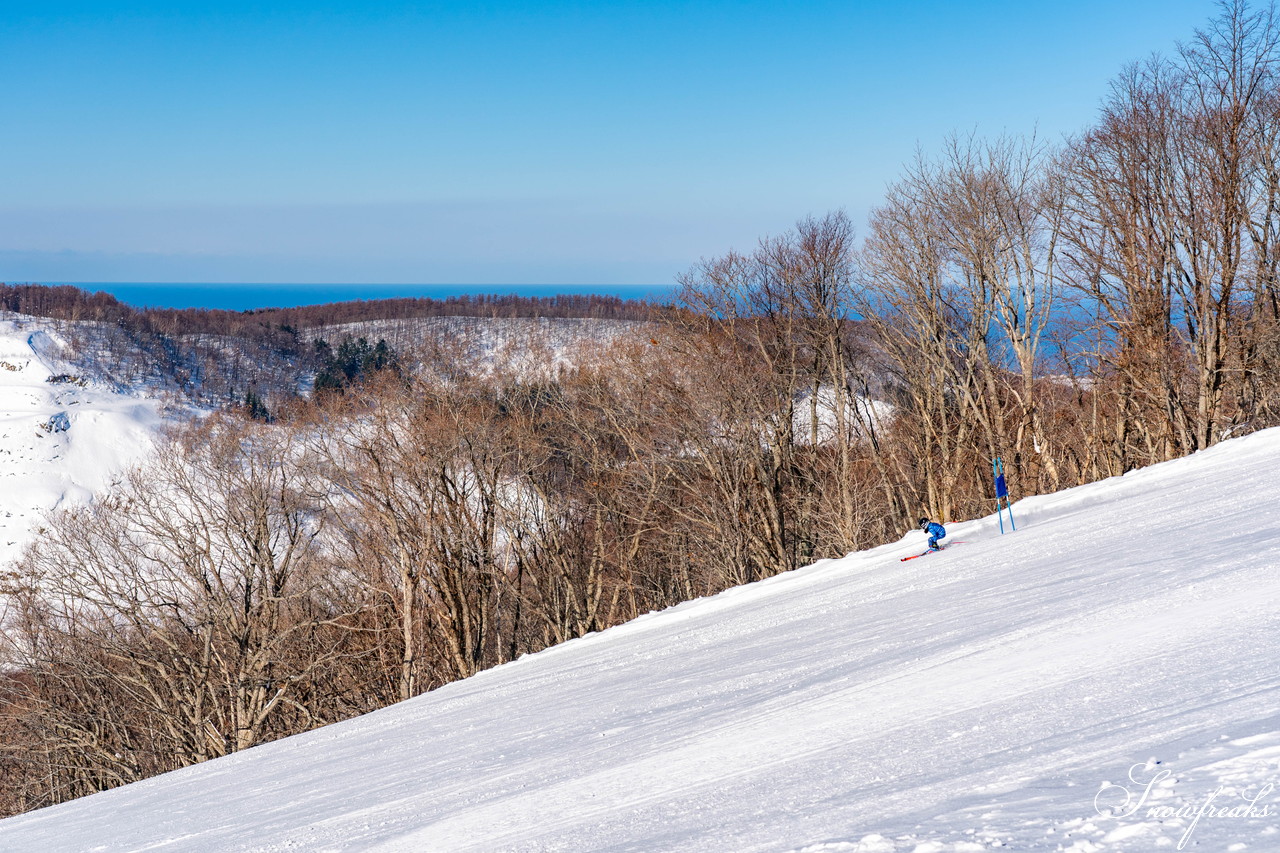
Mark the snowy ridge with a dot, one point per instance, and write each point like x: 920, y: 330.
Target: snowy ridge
x: 1007, y: 694
x: 62, y: 436
x: 528, y: 346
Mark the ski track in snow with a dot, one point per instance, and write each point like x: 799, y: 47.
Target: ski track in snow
x: 975, y: 700
x: 59, y: 442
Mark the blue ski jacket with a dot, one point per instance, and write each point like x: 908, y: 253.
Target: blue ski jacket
x: 936, y: 530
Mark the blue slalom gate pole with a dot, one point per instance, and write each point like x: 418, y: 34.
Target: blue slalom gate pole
x: 1002, y: 493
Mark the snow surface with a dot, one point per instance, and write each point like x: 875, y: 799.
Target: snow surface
x: 1005, y: 693
x: 864, y: 415
x: 59, y: 441
x: 524, y: 346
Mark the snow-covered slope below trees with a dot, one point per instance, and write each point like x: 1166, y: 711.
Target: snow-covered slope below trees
x: 62, y: 437
x: 514, y: 344
x: 1005, y: 693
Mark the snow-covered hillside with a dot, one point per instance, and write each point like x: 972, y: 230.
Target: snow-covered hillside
x: 72, y: 418
x: 1005, y: 693
x: 526, y: 346
x: 61, y: 437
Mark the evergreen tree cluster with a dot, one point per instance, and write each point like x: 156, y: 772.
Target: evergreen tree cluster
x: 351, y: 362
x: 256, y: 408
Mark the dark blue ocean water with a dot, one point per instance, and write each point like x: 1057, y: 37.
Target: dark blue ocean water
x: 245, y: 297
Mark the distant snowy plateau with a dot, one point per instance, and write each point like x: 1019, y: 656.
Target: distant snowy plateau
x: 1105, y: 678
x: 62, y: 436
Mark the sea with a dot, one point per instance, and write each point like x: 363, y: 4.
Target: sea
x: 248, y: 297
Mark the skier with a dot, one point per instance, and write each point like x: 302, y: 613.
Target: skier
x: 934, y: 531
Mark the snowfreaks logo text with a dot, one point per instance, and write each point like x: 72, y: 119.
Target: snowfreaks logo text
x: 1119, y: 801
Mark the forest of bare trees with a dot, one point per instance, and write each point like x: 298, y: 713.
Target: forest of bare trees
x: 1078, y: 310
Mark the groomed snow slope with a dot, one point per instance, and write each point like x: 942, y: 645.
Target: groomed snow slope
x: 973, y: 699
x: 60, y: 441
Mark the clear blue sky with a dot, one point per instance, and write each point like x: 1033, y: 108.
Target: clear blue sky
x: 612, y: 142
